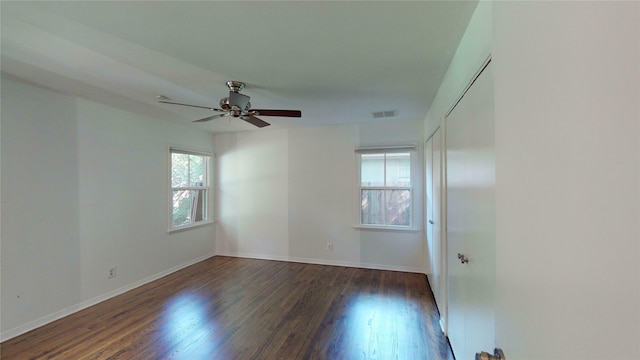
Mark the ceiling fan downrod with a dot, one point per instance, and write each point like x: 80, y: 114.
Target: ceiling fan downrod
x: 235, y: 86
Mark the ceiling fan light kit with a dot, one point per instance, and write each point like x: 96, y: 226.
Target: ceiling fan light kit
x: 238, y: 106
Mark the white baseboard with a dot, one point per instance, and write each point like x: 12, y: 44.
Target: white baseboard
x: 98, y: 299
x: 323, y: 262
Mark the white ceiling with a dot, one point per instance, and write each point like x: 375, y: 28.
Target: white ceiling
x: 337, y: 62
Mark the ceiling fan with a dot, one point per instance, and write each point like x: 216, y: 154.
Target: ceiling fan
x: 238, y: 106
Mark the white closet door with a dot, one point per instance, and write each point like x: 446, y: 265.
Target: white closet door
x: 470, y: 167
x: 433, y: 153
x: 439, y: 250
x: 456, y: 138
x: 428, y: 159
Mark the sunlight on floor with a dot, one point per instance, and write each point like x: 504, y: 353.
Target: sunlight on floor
x: 186, y: 318
x: 377, y: 324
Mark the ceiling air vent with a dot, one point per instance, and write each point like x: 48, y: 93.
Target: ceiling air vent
x: 385, y: 114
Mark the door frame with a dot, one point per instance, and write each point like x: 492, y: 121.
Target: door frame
x: 444, y: 271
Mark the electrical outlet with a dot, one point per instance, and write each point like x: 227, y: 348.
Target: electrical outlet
x: 112, y: 273
x: 329, y: 246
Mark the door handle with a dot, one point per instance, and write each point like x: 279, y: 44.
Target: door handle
x: 463, y: 259
x: 498, y: 354
x: 431, y: 222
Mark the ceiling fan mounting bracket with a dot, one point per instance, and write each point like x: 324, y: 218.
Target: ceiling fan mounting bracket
x: 235, y: 86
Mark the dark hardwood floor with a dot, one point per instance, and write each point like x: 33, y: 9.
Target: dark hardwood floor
x: 234, y: 308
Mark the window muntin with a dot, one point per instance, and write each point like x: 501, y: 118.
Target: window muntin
x: 189, y: 188
x: 385, y: 188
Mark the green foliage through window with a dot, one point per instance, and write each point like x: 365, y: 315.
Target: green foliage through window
x: 385, y: 188
x: 189, y: 186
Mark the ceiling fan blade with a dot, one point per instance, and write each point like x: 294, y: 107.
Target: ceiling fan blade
x: 195, y: 106
x: 240, y: 100
x: 211, y: 117
x: 255, y: 121
x: 284, y: 113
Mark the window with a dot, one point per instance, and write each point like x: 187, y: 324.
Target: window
x: 385, y: 187
x: 189, y: 188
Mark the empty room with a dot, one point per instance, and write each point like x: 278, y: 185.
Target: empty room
x: 320, y: 180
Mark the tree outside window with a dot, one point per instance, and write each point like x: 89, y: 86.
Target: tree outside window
x: 385, y: 188
x: 189, y: 187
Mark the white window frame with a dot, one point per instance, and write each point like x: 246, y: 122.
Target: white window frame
x: 207, y: 218
x: 412, y: 149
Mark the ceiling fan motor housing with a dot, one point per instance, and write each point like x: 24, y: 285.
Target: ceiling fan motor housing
x: 227, y: 105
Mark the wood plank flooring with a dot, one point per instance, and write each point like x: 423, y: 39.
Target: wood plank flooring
x: 234, y: 308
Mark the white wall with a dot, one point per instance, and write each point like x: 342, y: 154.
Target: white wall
x: 472, y: 52
x: 567, y: 98
x: 286, y: 194
x: 567, y: 148
x: 84, y: 189
x: 252, y: 193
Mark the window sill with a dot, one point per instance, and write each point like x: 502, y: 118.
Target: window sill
x: 386, y: 228
x: 189, y: 227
